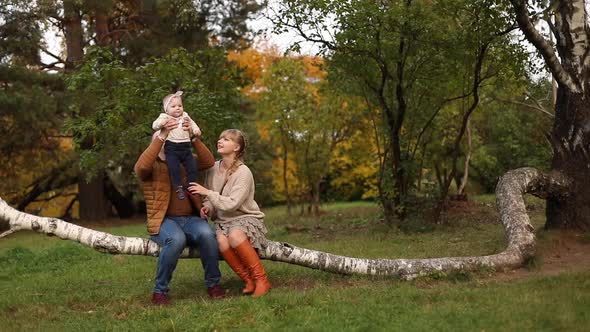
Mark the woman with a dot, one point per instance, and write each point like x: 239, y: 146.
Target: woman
x: 238, y: 219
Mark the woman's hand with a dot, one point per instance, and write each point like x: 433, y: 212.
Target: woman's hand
x: 195, y: 188
x: 205, y: 212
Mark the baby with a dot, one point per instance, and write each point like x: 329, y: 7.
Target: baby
x: 177, y: 147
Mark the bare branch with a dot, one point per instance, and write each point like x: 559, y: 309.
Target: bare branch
x: 307, y: 37
x: 52, y: 66
x: 51, y: 197
x: 8, y: 232
x: 431, y: 119
x: 56, y: 57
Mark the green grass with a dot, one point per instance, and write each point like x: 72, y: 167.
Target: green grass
x: 52, y: 285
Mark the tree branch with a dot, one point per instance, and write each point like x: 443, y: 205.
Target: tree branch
x: 544, y: 47
x: 56, y: 57
x: 57, y: 177
x: 431, y: 119
x: 536, y: 107
x: 509, y: 200
x: 52, y: 66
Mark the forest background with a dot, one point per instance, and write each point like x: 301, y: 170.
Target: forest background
x: 408, y: 104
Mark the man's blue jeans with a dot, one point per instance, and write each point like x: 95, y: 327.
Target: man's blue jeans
x: 175, y: 234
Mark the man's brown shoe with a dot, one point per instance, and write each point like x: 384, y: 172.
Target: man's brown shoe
x: 216, y: 292
x: 160, y: 299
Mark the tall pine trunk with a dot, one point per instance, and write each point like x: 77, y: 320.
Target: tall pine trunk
x: 93, y: 204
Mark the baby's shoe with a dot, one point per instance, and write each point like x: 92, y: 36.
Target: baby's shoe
x: 180, y: 192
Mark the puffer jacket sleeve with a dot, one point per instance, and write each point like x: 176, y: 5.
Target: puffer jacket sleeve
x: 160, y: 121
x: 205, y: 157
x: 144, y: 165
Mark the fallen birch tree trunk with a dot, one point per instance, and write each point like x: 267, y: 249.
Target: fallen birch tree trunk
x: 509, y: 200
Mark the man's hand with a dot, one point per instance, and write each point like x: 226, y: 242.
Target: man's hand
x: 171, y: 124
x: 186, y: 124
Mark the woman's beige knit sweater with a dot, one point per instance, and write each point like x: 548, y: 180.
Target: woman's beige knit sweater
x: 235, y: 199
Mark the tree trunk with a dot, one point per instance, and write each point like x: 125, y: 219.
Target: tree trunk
x: 400, y: 178
x: 512, y: 186
x: 102, y: 11
x: 570, y: 139
x: 386, y: 203
x: 286, y: 181
x: 93, y: 203
x: 122, y: 204
x: 461, y: 191
x: 388, y: 211
x: 316, y: 198
x: 395, y: 141
x: 481, y: 53
x: 73, y: 34
x: 438, y: 173
x: 569, y: 64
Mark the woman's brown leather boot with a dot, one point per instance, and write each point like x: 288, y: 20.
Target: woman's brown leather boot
x: 242, y: 271
x: 250, y: 258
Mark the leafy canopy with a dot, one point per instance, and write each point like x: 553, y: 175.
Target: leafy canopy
x: 114, y: 105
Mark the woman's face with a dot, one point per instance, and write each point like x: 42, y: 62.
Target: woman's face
x: 227, y: 146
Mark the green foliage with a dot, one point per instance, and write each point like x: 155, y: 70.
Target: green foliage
x: 511, y: 135
x: 20, y: 32
x: 259, y: 159
x: 423, y: 49
x: 114, y: 106
x: 32, y: 111
x: 183, y: 24
x: 115, y: 94
x: 412, y: 61
x: 309, y: 118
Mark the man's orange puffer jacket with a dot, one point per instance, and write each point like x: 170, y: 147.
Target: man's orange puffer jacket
x: 155, y: 179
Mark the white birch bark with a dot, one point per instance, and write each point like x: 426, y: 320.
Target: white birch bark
x: 509, y: 199
x: 542, y: 45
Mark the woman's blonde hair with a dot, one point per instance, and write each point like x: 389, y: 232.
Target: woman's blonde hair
x: 237, y: 136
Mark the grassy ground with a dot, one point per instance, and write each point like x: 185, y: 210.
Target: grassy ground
x: 49, y: 285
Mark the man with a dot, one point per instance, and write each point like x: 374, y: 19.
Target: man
x: 174, y: 223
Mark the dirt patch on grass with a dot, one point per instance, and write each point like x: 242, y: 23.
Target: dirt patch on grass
x: 300, y: 284
x: 470, y: 210
x: 557, y: 252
